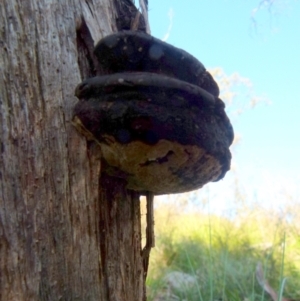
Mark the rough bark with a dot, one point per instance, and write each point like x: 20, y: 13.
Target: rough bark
x: 62, y: 236
x: 120, y: 243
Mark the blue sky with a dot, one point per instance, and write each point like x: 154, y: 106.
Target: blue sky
x: 220, y: 33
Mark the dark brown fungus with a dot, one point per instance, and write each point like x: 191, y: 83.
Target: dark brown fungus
x: 138, y: 51
x: 157, y: 124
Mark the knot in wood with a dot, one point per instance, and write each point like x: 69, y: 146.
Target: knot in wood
x: 156, y: 114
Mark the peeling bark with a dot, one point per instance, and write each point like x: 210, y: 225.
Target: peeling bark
x: 53, y: 209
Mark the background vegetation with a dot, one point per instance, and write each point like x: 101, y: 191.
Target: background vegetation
x: 204, y: 255
x: 221, y: 253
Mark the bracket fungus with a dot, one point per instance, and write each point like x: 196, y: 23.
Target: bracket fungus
x: 156, y: 114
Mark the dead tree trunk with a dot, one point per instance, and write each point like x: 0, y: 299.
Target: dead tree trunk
x: 64, y: 234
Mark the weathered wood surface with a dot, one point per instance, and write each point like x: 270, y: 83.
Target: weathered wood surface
x: 51, y: 244
x: 120, y: 241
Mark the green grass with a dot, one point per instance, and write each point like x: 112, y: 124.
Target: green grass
x: 222, y: 254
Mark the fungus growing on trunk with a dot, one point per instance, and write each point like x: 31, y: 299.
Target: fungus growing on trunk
x: 156, y: 114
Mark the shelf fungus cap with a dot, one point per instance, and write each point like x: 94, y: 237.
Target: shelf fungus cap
x: 159, y: 132
x: 137, y: 51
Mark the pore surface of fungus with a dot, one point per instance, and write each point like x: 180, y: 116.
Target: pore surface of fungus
x: 156, y: 114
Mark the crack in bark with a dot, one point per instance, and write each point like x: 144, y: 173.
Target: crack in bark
x: 85, y: 47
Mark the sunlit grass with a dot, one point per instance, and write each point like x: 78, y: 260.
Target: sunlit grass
x: 222, y: 253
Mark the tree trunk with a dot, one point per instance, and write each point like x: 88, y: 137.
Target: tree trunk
x: 64, y: 234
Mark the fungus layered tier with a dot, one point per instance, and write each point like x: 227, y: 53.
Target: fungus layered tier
x: 160, y: 132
